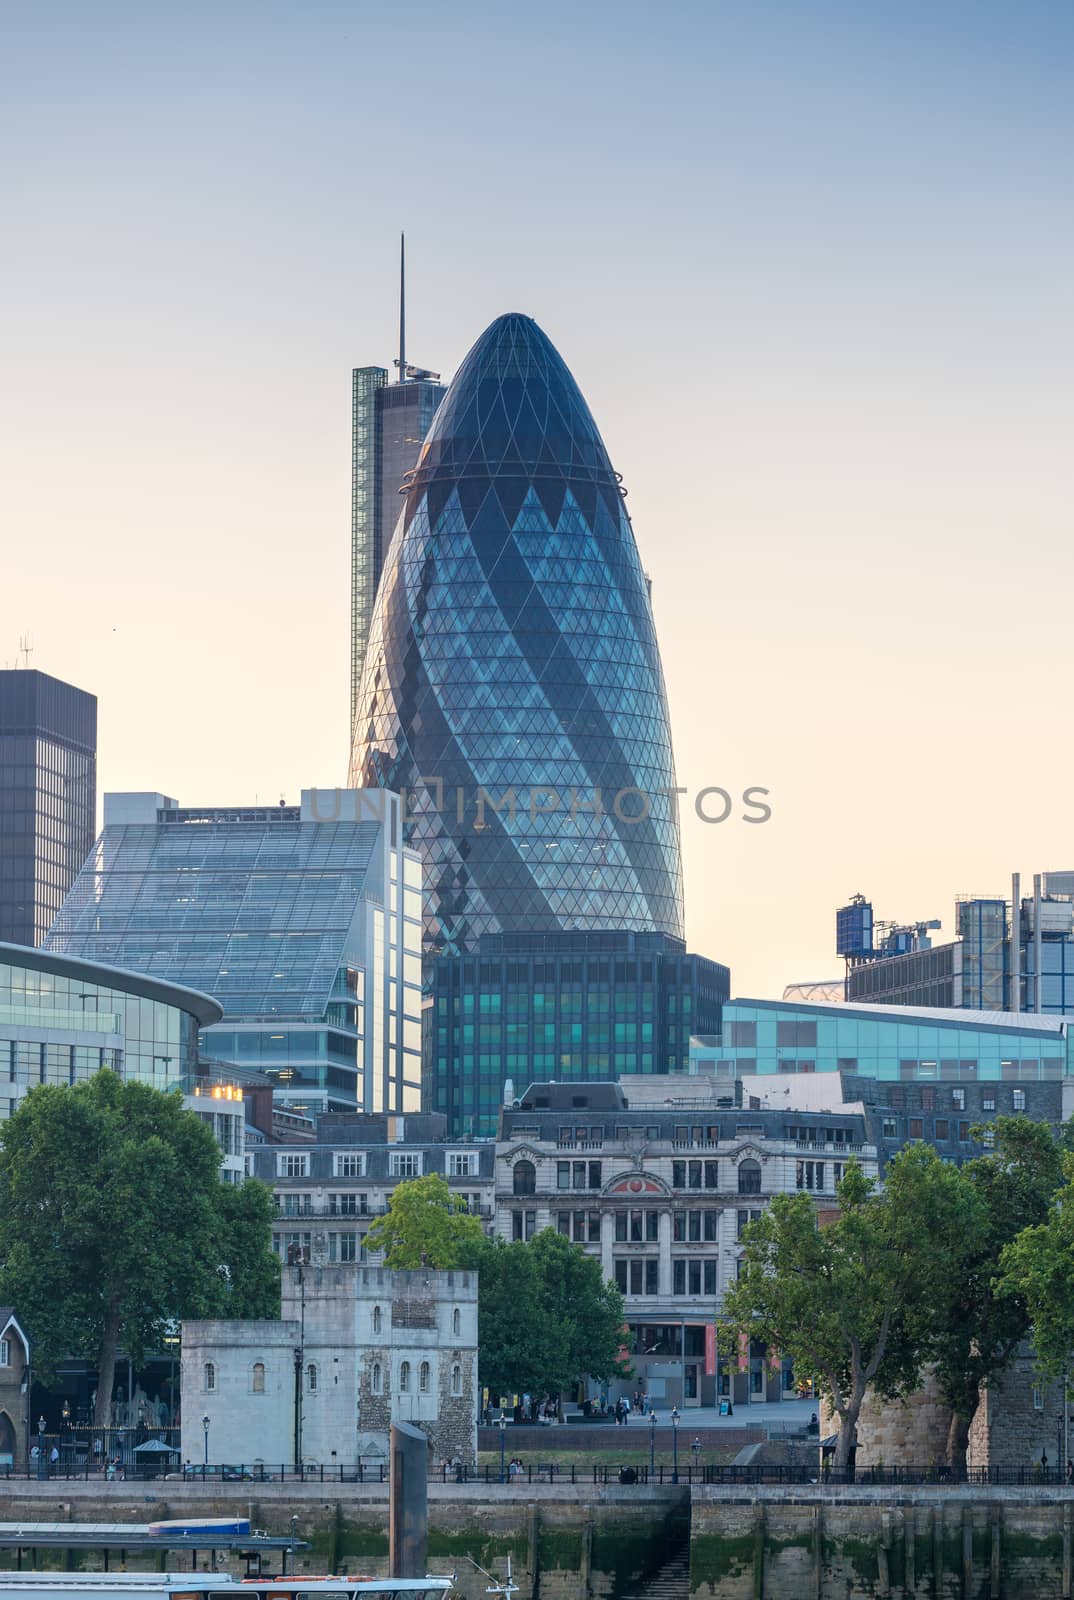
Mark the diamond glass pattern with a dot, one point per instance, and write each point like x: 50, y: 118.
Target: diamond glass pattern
x: 512, y: 688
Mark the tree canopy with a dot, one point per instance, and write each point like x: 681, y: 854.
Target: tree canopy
x: 1037, y: 1274
x: 849, y: 1301
x: 114, y: 1223
x: 426, y: 1226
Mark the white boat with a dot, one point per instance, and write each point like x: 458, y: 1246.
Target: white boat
x: 218, y: 1586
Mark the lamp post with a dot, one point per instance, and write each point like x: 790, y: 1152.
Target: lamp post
x: 652, y: 1445
x: 42, y: 1459
x: 696, y: 1448
x: 674, y: 1444
x: 205, y: 1427
x: 503, y: 1446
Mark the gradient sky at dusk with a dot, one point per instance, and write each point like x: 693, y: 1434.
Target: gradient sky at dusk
x: 811, y: 264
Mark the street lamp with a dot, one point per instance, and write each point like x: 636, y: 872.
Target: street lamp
x: 696, y: 1448
x: 205, y: 1426
x: 674, y: 1444
x: 503, y: 1446
x: 42, y: 1459
x: 652, y: 1446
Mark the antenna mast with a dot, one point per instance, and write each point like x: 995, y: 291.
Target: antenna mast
x: 402, y: 308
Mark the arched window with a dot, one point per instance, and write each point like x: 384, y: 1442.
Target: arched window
x: 525, y: 1177
x: 423, y: 1377
x: 377, y: 1384
x: 749, y: 1177
x: 210, y: 1375
x: 257, y: 1377
x: 456, y: 1378
x: 376, y: 1319
x: 311, y: 1377
x: 404, y: 1377
x: 456, y: 1322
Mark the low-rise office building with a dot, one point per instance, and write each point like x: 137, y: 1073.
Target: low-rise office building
x: 658, y: 1178
x: 330, y: 1190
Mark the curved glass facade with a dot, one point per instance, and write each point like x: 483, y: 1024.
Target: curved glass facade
x: 512, y: 688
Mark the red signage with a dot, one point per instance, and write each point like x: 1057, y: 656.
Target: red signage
x: 710, y: 1350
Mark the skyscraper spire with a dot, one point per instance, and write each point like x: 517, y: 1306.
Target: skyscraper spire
x: 402, y: 308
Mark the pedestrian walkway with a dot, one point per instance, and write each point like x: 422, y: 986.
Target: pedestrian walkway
x: 784, y: 1415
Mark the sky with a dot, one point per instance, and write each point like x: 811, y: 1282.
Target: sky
x: 811, y: 264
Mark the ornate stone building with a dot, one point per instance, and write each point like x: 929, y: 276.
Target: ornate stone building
x: 357, y: 1348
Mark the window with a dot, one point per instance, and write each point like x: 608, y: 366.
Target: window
x: 5, y: 1352
x: 404, y: 1377
x: 890, y: 1130
x: 349, y: 1164
x: 796, y: 1033
x: 652, y: 1277
x: 1018, y: 1099
x: 290, y: 1165
x: 456, y: 1378
x: 810, y: 1175
x: 348, y: 1205
x: 257, y: 1377
x: 988, y: 1103
x: 456, y: 1322
x: 915, y: 1127
x: 423, y: 1378
x: 749, y: 1177
x: 941, y: 1127
x: 744, y: 1220
x: 311, y: 1377
x: 295, y: 1205
x: 524, y: 1224
x: 404, y: 1164
x: 1038, y: 1399
x: 462, y: 1163
x: 958, y: 1099
x: 928, y: 1099
x: 376, y: 1319
x: 743, y: 1035
x: 963, y: 1131
x: 563, y: 1174
x: 524, y: 1177
x: 209, y: 1376
x: 377, y: 1380
x: 343, y: 1247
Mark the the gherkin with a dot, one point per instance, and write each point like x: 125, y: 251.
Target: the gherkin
x: 512, y: 685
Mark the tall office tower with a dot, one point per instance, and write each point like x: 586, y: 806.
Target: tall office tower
x: 389, y: 421
x: 304, y: 922
x: 512, y: 686
x: 48, y: 797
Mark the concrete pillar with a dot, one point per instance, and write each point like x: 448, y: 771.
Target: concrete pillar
x: 936, y: 1518
x: 664, y: 1278
x: 408, y: 1506
x: 909, y: 1552
x: 607, y: 1243
x: 996, y: 1567
x: 967, y: 1553
x: 759, y: 1531
x: 818, y: 1552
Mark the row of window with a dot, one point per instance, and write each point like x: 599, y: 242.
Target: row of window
x: 684, y: 1175
x: 688, y: 1277
x: 403, y: 1378
x: 352, y: 1164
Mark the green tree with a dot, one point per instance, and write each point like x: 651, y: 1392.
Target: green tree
x: 114, y: 1223
x: 578, y: 1299
x: 249, y: 1268
x: 1037, y: 1273
x: 426, y: 1225
x: 979, y: 1326
x: 849, y: 1302
x: 523, y: 1350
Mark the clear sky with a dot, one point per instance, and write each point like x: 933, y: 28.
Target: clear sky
x: 811, y: 264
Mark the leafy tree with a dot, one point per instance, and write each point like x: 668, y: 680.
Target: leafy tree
x: 523, y: 1350
x: 114, y: 1223
x: 426, y: 1225
x: 1037, y: 1273
x: 981, y: 1323
x: 249, y: 1269
x: 850, y: 1301
x: 576, y: 1298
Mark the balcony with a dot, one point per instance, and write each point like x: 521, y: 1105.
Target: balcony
x: 579, y: 1144
x: 695, y: 1144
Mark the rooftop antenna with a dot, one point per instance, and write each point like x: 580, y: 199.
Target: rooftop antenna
x: 402, y: 308
x: 25, y: 646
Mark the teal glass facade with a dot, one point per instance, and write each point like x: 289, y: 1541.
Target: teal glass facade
x: 512, y: 688
x: 884, y: 1042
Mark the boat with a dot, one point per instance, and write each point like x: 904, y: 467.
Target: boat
x: 211, y: 1586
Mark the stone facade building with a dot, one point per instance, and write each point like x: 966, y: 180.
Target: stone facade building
x: 330, y: 1191
x: 357, y: 1348
x: 14, y: 1391
x: 658, y: 1178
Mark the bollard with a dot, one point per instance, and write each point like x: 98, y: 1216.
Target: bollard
x: 408, y: 1502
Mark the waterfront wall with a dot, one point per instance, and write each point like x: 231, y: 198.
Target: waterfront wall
x: 589, y: 1543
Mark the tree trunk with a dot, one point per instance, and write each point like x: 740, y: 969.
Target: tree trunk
x: 106, y: 1365
x: 958, y: 1431
x: 848, y: 1433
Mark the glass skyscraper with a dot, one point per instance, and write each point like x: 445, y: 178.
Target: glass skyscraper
x: 48, y: 797
x: 512, y: 686
x: 304, y: 922
x: 388, y: 423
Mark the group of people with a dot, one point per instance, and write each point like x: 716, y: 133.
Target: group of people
x: 639, y: 1402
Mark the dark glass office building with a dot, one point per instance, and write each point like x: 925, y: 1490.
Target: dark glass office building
x: 48, y: 797
x: 388, y: 424
x: 581, y: 1007
x: 512, y: 687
